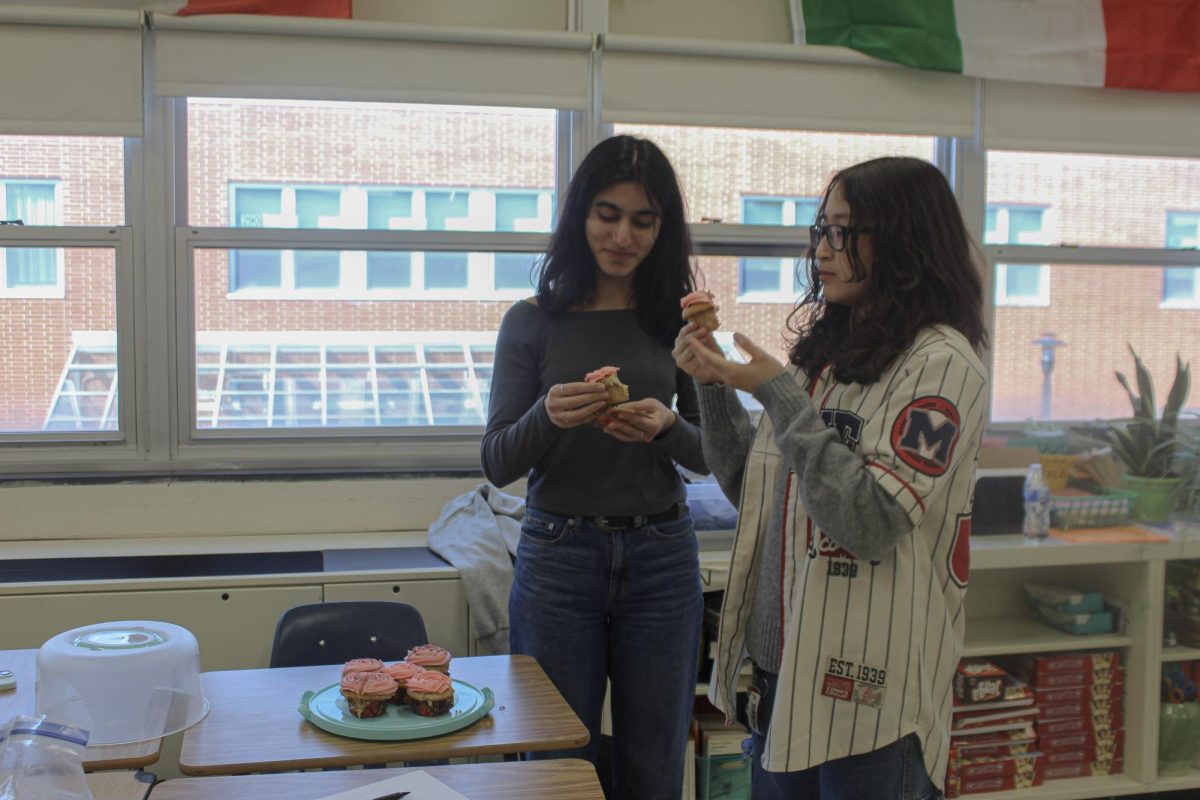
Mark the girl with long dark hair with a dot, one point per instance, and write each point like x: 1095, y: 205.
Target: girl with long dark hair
x: 850, y: 561
x: 607, y: 582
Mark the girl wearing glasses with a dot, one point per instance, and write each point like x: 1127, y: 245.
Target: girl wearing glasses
x: 850, y: 562
x: 607, y: 579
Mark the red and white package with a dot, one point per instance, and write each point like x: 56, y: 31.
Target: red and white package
x: 1102, y: 745
x: 1083, y: 769
x: 1101, y: 726
x: 1107, y: 692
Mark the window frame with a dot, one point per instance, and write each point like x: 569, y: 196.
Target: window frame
x: 395, y: 449
x: 122, y: 442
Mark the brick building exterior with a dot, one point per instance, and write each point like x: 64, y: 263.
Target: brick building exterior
x: 1081, y: 200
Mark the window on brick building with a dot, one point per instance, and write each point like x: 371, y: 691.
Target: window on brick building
x: 280, y: 273
x: 1181, y: 285
x: 1112, y: 232
x: 775, y: 279
x: 1018, y: 284
x: 30, y: 271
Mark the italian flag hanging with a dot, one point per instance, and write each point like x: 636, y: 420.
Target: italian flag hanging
x: 1125, y: 44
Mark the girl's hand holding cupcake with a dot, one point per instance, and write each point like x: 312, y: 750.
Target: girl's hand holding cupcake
x: 705, y: 362
x: 688, y: 342
x: 638, y: 420
x: 570, y: 405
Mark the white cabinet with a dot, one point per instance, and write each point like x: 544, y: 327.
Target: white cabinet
x: 234, y: 625
x: 1000, y: 621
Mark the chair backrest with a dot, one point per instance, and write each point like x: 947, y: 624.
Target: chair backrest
x: 332, y: 633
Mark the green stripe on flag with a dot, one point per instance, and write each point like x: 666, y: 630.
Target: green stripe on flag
x: 916, y: 33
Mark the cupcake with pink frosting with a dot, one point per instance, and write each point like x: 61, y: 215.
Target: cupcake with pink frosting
x: 362, y: 665
x: 368, y: 693
x: 431, y: 657
x: 430, y: 694
x: 699, y: 307
x: 607, y: 377
x: 400, y: 672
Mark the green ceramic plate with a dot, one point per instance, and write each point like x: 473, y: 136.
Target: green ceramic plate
x: 327, y: 710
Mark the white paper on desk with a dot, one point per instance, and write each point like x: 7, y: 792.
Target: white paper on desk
x: 422, y: 785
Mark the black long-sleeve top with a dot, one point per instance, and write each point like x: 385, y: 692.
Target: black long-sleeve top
x: 583, y: 470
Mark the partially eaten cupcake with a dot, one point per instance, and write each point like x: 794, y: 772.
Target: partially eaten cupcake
x: 607, y: 377
x: 430, y: 694
x: 699, y: 307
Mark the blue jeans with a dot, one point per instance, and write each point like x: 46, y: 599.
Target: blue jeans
x: 591, y: 603
x: 893, y: 772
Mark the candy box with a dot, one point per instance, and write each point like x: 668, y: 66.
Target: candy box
x: 978, y: 681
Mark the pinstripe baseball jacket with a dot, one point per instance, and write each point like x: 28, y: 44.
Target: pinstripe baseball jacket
x: 871, y: 608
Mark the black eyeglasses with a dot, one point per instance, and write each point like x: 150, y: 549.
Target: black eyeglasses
x: 837, y: 235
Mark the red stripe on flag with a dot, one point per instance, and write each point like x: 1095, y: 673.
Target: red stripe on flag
x: 1153, y: 44
x: 339, y: 9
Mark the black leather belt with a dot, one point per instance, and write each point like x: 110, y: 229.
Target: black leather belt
x: 635, y: 521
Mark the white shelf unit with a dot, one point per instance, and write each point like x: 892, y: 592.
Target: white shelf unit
x: 1000, y: 622
x: 1181, y: 653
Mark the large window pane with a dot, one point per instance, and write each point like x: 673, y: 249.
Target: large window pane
x: 1091, y: 200
x: 63, y: 180
x: 720, y: 167
x: 341, y: 337
x: 375, y: 355
x: 1093, y: 326
x: 372, y: 155
x: 58, y: 366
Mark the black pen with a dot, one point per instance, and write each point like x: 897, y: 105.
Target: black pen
x: 392, y: 796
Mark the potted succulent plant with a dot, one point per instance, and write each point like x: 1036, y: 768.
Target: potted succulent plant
x: 1147, y: 443
x: 1188, y: 456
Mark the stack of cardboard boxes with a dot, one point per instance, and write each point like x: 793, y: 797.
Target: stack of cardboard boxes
x: 1081, y: 719
x: 1021, y: 721
x: 993, y: 744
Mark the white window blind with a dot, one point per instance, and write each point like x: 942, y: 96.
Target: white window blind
x: 70, y: 71
x: 314, y: 59
x: 1027, y: 116
x: 658, y: 80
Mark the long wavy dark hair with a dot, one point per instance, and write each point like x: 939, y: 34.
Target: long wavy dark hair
x: 567, y: 277
x: 924, y: 271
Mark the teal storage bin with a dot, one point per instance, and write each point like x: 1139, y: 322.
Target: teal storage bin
x: 722, y: 777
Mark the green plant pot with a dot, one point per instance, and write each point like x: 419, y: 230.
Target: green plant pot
x: 1155, y: 497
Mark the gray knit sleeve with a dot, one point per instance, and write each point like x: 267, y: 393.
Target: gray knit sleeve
x: 518, y: 430
x: 838, y: 491
x: 728, y: 435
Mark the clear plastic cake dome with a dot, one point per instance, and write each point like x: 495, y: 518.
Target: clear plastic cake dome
x: 124, y: 681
